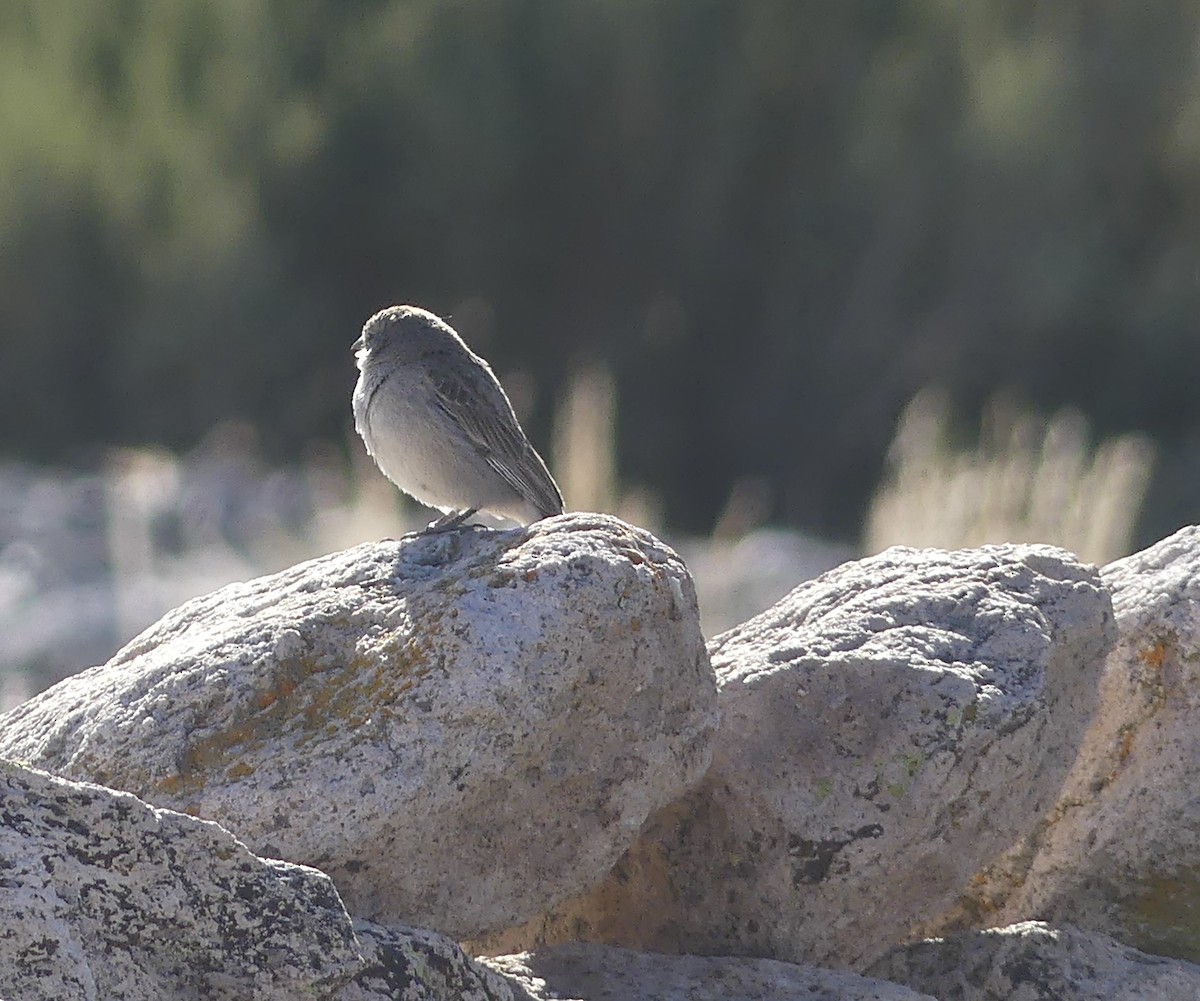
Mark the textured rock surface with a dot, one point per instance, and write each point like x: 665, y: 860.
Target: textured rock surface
x: 887, y: 729
x: 106, y: 897
x: 417, y: 965
x: 1121, y: 853
x: 598, y: 973
x: 460, y: 728
x: 1034, y: 962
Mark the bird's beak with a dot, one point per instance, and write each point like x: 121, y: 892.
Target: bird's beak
x: 358, y: 345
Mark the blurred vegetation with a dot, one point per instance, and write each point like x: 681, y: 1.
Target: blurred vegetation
x: 775, y: 221
x: 1026, y: 479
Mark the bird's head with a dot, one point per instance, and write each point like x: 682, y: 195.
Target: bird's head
x: 399, y: 329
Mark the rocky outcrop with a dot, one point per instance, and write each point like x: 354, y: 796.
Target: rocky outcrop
x: 463, y: 728
x: 1035, y: 962
x: 887, y: 730
x: 459, y: 727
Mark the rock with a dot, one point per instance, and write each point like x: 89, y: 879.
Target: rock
x: 1120, y: 854
x: 460, y: 728
x: 419, y: 965
x: 1034, y: 962
x: 887, y: 730
x: 595, y: 972
x: 107, y: 897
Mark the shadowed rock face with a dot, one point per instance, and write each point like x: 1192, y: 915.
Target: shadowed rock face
x: 583, y: 970
x: 459, y: 728
x: 887, y: 730
x: 1036, y: 961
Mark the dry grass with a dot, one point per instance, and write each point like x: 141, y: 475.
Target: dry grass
x: 1027, y: 479
x: 88, y: 560
x: 584, y: 452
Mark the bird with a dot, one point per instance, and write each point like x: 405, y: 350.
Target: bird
x: 439, y: 425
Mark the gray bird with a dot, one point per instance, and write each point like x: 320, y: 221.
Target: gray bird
x: 437, y: 422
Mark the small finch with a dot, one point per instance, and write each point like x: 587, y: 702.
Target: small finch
x: 439, y: 425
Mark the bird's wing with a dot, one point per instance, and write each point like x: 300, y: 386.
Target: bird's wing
x: 483, y: 411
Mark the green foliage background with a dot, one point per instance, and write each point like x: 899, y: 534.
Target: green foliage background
x: 776, y: 219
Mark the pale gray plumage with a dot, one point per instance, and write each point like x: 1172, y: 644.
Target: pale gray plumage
x: 437, y: 422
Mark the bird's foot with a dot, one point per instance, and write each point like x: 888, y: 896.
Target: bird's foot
x: 450, y: 520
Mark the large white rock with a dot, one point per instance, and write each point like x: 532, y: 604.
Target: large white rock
x: 1121, y: 852
x: 1035, y: 962
x: 105, y: 897
x: 887, y: 730
x: 600, y: 973
x: 461, y: 728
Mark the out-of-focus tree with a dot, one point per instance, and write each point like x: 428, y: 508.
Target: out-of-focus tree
x: 774, y: 222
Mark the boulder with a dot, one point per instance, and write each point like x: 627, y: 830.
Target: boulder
x: 597, y: 972
x: 1120, y: 853
x: 461, y: 728
x: 887, y: 730
x: 107, y: 897
x: 1035, y: 962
